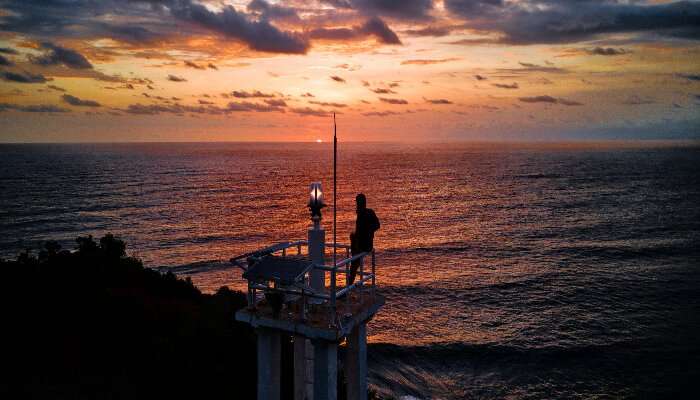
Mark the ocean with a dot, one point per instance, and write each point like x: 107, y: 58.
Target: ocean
x: 519, y: 271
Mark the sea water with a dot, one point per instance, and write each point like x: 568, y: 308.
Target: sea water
x: 510, y: 270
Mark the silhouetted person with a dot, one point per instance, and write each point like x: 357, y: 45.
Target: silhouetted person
x: 363, y: 238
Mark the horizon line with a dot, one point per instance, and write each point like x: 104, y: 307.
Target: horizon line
x: 445, y: 141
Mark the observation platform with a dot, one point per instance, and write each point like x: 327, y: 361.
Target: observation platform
x: 351, y: 311
x: 280, y: 296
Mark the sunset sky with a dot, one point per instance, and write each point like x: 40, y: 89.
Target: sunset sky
x: 174, y: 70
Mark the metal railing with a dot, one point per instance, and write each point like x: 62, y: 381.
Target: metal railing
x: 302, y: 289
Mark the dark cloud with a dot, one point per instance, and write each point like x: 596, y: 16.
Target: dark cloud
x: 543, y: 81
x: 338, y: 79
x: 480, y: 77
x: 74, y: 101
x: 56, y: 55
x: 308, y: 111
x: 49, y: 108
x: 130, y: 33
x: 474, y: 8
x: 568, y: 21
x: 378, y: 28
x: 307, y: 94
x: 392, y: 101
x: 242, y: 94
x: 435, y: 31
x: 140, y: 81
x: 429, y: 62
x: 606, y: 51
x: 437, y: 101
x: 513, y: 85
x: 204, y: 102
x: 399, y: 9
x: 259, y: 34
x: 691, y: 77
x: 273, y: 11
x: 636, y: 100
x: 373, y: 27
x: 212, y: 66
x: 339, y: 3
x: 5, y: 62
x: 180, y: 109
x: 194, y: 65
x: 513, y: 22
x: 173, y: 78
x: 8, y: 50
x: 56, y: 88
x: 538, y: 99
x: 380, y: 113
x: 89, y: 19
x: 530, y: 67
x: 153, y: 109
x: 383, y: 91
x: 569, y: 102
x: 550, y: 100
x: 23, y: 77
x: 256, y: 107
x: 328, y: 104
x: 275, y: 102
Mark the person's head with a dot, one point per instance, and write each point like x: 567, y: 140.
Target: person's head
x: 360, y: 202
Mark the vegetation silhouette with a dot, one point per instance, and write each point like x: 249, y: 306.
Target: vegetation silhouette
x: 94, y: 323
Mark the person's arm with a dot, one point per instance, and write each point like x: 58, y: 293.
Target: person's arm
x: 375, y: 222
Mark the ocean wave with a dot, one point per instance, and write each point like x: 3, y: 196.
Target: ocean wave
x: 537, y: 176
x: 494, y: 371
x: 197, y: 267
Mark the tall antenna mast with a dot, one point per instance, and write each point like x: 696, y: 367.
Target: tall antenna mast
x: 335, y: 187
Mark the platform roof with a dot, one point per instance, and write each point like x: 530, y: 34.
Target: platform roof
x: 285, y: 270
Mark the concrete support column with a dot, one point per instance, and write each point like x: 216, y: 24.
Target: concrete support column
x: 309, y: 370
x: 317, y: 249
x: 303, y: 368
x: 325, y: 370
x: 299, y: 368
x: 269, y: 364
x: 356, y: 363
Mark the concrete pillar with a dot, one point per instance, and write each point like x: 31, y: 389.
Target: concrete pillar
x: 317, y: 249
x: 325, y: 370
x: 269, y: 364
x: 300, y: 369
x: 309, y: 370
x: 356, y: 363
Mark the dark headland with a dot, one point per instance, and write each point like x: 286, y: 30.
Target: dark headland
x: 94, y: 323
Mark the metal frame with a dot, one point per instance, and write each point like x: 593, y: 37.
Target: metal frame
x: 302, y: 288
